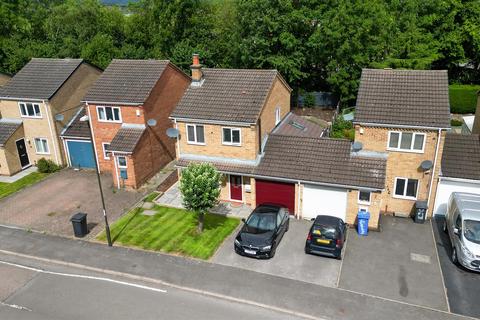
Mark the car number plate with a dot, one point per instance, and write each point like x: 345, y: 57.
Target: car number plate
x: 323, y: 241
x: 250, y: 251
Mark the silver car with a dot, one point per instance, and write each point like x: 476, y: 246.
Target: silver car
x: 462, y: 223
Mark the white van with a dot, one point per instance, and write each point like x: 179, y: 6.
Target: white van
x: 462, y: 223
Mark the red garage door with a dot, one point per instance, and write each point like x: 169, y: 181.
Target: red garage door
x: 276, y: 192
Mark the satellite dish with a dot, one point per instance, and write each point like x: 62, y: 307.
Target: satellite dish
x: 426, y: 165
x: 59, y: 117
x: 357, y: 146
x: 172, y: 133
x: 152, y: 122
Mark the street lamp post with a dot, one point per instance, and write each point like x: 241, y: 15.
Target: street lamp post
x: 97, y: 170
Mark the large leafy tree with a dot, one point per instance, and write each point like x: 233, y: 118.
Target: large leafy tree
x: 200, y: 188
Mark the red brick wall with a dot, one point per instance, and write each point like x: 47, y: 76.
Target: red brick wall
x: 105, y: 131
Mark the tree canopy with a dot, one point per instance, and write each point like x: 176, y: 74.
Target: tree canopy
x: 316, y: 45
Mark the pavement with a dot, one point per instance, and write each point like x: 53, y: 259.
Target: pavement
x: 18, y: 176
x: 49, y: 204
x: 50, y: 292
x: 463, y: 286
x: 210, y: 279
x: 173, y: 198
x: 399, y: 263
x: 290, y: 260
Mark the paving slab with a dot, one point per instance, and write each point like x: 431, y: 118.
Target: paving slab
x: 399, y: 263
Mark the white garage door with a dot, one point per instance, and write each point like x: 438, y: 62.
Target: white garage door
x: 324, y: 200
x: 446, y: 187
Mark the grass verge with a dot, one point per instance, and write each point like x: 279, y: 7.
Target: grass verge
x: 9, y: 188
x: 172, y: 230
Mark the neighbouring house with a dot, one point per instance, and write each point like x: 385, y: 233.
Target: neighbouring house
x: 29, y: 104
x: 128, y: 109
x: 460, y: 170
x: 224, y: 118
x: 402, y: 115
x: 4, y: 78
x: 476, y: 122
x: 238, y: 120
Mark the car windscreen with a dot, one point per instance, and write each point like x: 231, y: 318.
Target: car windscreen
x: 471, y: 230
x: 328, y: 232
x: 262, y: 221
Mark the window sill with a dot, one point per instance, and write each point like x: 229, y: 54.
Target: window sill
x: 232, y: 144
x: 31, y: 117
x: 110, y: 121
x: 196, y: 143
x: 43, y: 153
x: 363, y: 203
x: 404, y: 197
x: 406, y: 151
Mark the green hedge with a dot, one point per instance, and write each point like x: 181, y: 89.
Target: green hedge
x: 463, y: 98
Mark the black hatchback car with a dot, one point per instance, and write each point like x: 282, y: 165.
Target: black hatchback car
x: 262, y: 231
x: 326, y: 237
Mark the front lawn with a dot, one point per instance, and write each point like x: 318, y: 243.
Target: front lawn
x: 9, y: 188
x: 463, y: 98
x: 172, y: 230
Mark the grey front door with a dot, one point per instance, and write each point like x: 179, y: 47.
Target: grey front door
x: 22, y: 153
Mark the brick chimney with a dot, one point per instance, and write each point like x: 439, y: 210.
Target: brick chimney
x: 197, y: 74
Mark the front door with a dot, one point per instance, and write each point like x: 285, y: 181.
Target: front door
x: 22, y: 153
x: 236, y: 188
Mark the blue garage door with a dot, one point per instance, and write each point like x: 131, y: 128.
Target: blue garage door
x: 81, y: 154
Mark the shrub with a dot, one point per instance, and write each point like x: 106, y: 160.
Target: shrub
x: 47, y: 166
x: 456, y: 123
x: 342, y: 129
x: 463, y: 98
x: 309, y: 100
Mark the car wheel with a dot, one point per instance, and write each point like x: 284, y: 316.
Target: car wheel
x: 288, y: 226
x: 454, y: 256
x: 306, y: 250
x: 445, y: 226
x: 272, y: 253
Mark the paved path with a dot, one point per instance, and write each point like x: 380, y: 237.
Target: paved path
x: 463, y: 286
x: 49, y: 293
x: 214, y: 279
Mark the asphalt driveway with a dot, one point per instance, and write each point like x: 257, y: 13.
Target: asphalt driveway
x: 290, y: 260
x: 48, y: 205
x: 398, y: 263
x: 463, y: 286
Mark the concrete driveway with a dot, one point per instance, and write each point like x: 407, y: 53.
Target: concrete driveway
x: 463, y: 286
x: 290, y: 260
x: 398, y: 263
x: 48, y: 205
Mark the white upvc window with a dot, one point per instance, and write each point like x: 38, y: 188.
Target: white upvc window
x: 195, y: 134
x: 122, y: 167
x: 364, y: 197
x: 106, y: 153
x: 41, y: 146
x: 406, y: 141
x: 30, y: 110
x: 277, y: 116
x: 231, y: 136
x: 405, y: 188
x: 109, y: 114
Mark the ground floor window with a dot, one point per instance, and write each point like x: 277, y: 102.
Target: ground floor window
x: 364, y: 197
x: 406, y: 188
x: 122, y: 167
x: 41, y: 146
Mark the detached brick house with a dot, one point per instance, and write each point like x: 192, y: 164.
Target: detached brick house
x: 119, y: 105
x: 29, y: 103
x: 402, y: 115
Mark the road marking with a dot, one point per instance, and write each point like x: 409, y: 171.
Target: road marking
x: 420, y: 258
x: 344, y: 251
x: 439, y: 265
x: 15, y: 306
x: 72, y: 275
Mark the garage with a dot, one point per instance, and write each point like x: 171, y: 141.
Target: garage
x: 324, y: 201
x: 445, y: 189
x: 275, y: 192
x: 80, y: 154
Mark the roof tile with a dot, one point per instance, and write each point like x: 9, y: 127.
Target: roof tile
x: 461, y: 156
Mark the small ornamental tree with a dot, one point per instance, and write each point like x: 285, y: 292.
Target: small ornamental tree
x: 200, y: 188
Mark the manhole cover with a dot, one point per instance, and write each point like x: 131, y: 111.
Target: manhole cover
x: 420, y: 258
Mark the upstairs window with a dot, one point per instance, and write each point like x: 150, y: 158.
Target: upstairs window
x: 406, y: 141
x: 406, y: 188
x: 109, y: 114
x: 30, y: 110
x: 195, y: 134
x: 231, y: 136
